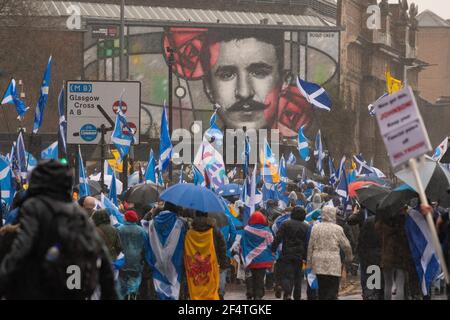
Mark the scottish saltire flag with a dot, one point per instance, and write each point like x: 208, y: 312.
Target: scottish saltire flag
x: 270, y: 167
x: 279, y: 221
x: 84, y: 185
x: 19, y: 158
x: 150, y: 174
x: 11, y: 97
x: 6, y: 187
x: 333, y: 178
x: 342, y: 187
x: 303, y: 145
x: 371, y: 106
x: 422, y: 250
x: 113, y: 190
x: 363, y: 168
x: 117, y: 219
x: 51, y: 152
x: 210, y: 162
x: 314, y: 94
x: 291, y: 159
x: 319, y: 154
x: 214, y: 131
x: 159, y: 175
x: 311, y: 278
x: 121, y: 139
x: 440, y: 150
x: 246, y: 155
x: 43, y: 97
x: 312, y: 214
x: 232, y: 173
x: 165, y: 254
x: 199, y: 180
x: 165, y: 144
x: 341, y: 165
x: 256, y: 245
x: 31, y: 162
x: 62, y: 132
x: 283, y: 176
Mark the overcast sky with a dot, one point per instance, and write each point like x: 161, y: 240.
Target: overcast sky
x: 440, y: 7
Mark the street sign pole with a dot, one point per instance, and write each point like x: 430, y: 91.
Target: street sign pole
x: 431, y: 225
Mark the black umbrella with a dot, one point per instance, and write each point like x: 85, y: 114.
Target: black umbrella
x: 397, y: 199
x: 143, y: 194
x: 94, y: 187
x: 370, y: 196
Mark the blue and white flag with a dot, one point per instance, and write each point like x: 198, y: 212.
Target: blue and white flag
x: 150, y: 174
x: 303, y: 145
x: 165, y: 144
x: 279, y: 221
x: 119, y: 262
x: 43, y: 97
x: 291, y: 160
x: 159, y: 175
x: 166, y: 234
x: 440, y: 150
x: 246, y: 156
x: 123, y: 136
x: 62, y: 132
x: 31, y: 162
x: 6, y: 186
x: 249, y: 196
x: 256, y: 245
x: 342, y: 187
x: 214, y: 131
x: 113, y: 190
x: 232, y: 173
x: 333, y: 178
x: 363, y: 168
x: 314, y: 94
x: 341, y: 165
x: 282, y: 171
x: 84, y: 184
x: 311, y: 278
x: 117, y: 219
x: 19, y: 159
x: 371, y: 106
x: 11, y: 97
x: 422, y: 250
x: 181, y: 180
x: 319, y: 154
x: 199, y: 180
x: 51, y: 152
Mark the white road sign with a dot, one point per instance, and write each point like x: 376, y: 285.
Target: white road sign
x: 402, y: 127
x: 84, y: 101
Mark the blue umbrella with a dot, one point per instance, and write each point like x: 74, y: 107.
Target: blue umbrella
x: 228, y: 190
x: 188, y: 195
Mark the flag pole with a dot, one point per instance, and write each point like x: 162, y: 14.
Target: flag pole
x: 429, y: 218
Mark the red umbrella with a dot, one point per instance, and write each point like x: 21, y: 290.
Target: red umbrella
x: 352, y: 187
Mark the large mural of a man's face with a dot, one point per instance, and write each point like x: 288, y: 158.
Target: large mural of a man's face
x: 244, y: 78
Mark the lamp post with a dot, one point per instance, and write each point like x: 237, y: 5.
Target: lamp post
x: 171, y: 61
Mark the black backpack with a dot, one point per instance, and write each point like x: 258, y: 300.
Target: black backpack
x: 74, y: 249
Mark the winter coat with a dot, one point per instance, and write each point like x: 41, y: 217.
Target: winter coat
x: 203, y: 224
x: 326, y: 241
x: 369, y: 242
x: 108, y: 233
x: 133, y: 239
x: 22, y: 269
x: 292, y: 235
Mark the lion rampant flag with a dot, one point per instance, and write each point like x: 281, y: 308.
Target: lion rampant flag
x: 202, y: 268
x: 393, y: 85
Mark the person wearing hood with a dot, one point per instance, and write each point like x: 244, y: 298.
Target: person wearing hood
x: 50, y: 223
x: 292, y: 236
x: 107, y: 232
x: 325, y: 244
x: 316, y: 199
x: 255, y: 248
x: 133, y: 239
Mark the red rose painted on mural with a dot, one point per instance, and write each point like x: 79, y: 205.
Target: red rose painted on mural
x: 188, y: 44
x: 294, y: 111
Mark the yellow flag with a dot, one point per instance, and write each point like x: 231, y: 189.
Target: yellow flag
x: 353, y: 165
x: 202, y: 268
x: 393, y: 85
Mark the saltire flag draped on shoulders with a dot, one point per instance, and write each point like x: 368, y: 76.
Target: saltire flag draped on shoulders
x: 440, y: 150
x: 314, y: 94
x: 270, y: 173
x: 62, y: 132
x: 164, y: 254
x: 256, y: 245
x: 201, y: 265
x: 117, y: 219
x: 210, y: 162
x: 291, y: 159
x: 422, y: 250
x: 122, y: 136
x: 113, y: 189
x: 43, y: 97
x: 51, y: 152
x: 303, y: 145
x: 319, y: 154
x: 150, y: 174
x: 11, y: 97
x: 84, y: 185
x: 6, y: 186
x: 165, y: 144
